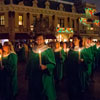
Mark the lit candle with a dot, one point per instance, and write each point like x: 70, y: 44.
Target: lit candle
x: 67, y: 51
x: 1, y: 59
x: 79, y: 53
x: 40, y: 58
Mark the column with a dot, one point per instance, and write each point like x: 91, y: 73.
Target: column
x: 65, y: 22
x: 16, y: 20
x: 55, y: 21
x: 70, y: 21
x: 6, y: 19
x: 50, y: 20
x: 24, y: 20
x: 75, y: 24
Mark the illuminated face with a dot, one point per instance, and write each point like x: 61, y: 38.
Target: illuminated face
x: 0, y: 51
x: 40, y: 40
x: 6, y: 49
x: 57, y: 45
x: 76, y: 41
x: 64, y: 45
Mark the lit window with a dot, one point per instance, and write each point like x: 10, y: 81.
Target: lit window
x: 2, y: 20
x: 20, y: 20
x: 32, y: 27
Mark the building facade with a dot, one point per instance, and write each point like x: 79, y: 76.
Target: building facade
x: 17, y: 20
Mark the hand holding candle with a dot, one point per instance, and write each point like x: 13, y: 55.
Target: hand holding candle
x: 40, y: 58
x: 79, y: 53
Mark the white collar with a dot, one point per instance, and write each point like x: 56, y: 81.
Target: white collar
x: 42, y: 49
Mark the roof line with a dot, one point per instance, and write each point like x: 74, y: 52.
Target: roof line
x: 65, y: 2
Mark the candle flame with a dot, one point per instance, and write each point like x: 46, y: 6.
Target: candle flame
x: 39, y: 51
x: 79, y: 49
x: 67, y: 49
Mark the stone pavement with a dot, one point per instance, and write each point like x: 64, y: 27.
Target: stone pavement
x: 92, y: 94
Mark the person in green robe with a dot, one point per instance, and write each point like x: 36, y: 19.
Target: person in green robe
x: 9, y: 63
x: 60, y: 58
x: 66, y: 50
x: 39, y: 72
x: 75, y: 69
x: 21, y: 53
x: 96, y: 51
x: 92, y: 50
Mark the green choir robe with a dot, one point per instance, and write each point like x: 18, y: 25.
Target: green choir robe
x: 85, y: 68
x: 96, y: 53
x: 60, y: 58
x: 10, y: 74
x: 41, y: 82
x: 21, y: 54
x: 77, y: 71
x: 73, y: 74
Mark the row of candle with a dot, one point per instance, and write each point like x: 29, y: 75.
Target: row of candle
x: 40, y: 57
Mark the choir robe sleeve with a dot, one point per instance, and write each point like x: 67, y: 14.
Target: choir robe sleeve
x: 48, y: 80
x: 87, y: 58
x: 50, y: 60
x: 63, y: 56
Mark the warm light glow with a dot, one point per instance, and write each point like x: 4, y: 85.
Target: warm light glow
x: 39, y: 51
x: 32, y: 27
x: 58, y: 25
x: 65, y: 40
x: 71, y: 40
x: 46, y: 41
x: 67, y: 49
x: 79, y: 49
x: 2, y: 20
x: 20, y: 20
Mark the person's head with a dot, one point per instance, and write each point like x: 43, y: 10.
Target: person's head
x: 57, y: 45
x: 64, y: 45
x: 77, y: 40
x: 89, y: 40
x: 39, y: 39
x: 7, y: 47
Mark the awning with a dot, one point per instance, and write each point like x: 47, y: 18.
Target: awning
x: 4, y: 35
x: 22, y: 36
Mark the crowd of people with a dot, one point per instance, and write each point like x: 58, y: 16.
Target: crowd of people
x: 47, y: 65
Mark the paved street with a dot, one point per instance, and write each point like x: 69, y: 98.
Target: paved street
x: 92, y: 94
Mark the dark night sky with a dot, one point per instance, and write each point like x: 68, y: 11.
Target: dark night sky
x: 97, y: 2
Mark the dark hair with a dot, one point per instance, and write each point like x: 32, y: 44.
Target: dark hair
x: 80, y: 38
x: 37, y: 35
x: 0, y: 46
x: 89, y: 38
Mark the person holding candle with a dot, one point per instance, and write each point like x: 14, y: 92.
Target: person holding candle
x: 60, y: 58
x: 9, y: 62
x: 39, y: 71
x: 75, y: 66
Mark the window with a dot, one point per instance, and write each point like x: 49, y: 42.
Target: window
x: 61, y: 22
x: 2, y: 20
x: 34, y: 20
x: 20, y: 20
